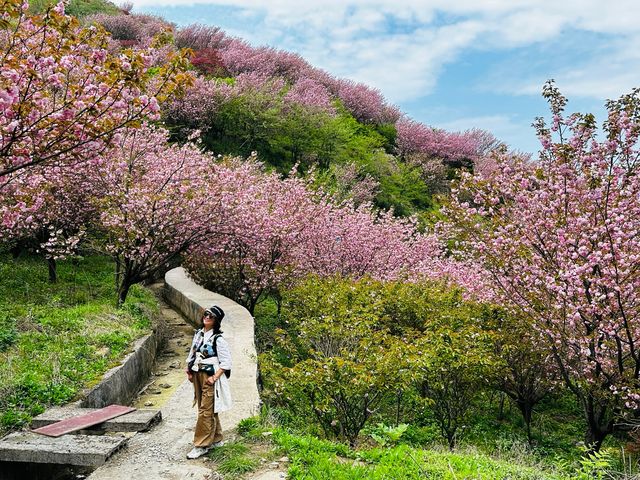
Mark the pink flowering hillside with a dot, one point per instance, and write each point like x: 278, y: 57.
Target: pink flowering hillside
x: 259, y: 99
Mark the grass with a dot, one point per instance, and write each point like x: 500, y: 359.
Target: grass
x: 238, y: 465
x: 235, y: 459
x: 56, y: 339
x: 250, y: 451
x: 312, y: 458
x: 77, y: 8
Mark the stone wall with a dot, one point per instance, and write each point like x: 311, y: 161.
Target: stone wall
x: 121, y: 384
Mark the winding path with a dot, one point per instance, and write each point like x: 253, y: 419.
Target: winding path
x: 161, y: 452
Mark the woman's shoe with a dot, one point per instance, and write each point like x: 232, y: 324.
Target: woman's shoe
x: 197, y: 452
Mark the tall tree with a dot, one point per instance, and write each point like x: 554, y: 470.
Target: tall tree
x: 559, y: 240
x: 156, y: 201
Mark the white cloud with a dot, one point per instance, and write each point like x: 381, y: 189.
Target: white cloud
x: 402, y: 46
x: 609, y: 70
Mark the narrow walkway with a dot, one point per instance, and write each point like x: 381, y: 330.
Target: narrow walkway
x: 161, y: 452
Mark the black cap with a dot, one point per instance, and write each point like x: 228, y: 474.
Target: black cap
x: 216, y: 311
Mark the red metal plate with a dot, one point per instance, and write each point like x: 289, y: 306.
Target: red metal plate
x: 83, y: 421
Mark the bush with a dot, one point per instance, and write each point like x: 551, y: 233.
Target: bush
x: 350, y: 352
x: 334, y: 363
x: 208, y: 62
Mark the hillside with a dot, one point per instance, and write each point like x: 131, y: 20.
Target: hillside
x: 426, y: 303
x: 258, y: 99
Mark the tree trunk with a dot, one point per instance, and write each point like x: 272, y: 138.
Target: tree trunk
x: 598, y: 424
x: 451, y: 438
x: 593, y: 439
x: 527, y: 410
x: 501, y: 407
x: 53, y: 274
x: 118, y: 273
x: 123, y: 291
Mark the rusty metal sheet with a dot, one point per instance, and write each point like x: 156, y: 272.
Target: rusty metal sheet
x: 83, y: 421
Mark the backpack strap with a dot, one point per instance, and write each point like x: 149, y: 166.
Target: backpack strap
x: 215, y: 346
x: 214, y: 342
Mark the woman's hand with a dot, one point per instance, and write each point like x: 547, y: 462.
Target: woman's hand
x: 212, y: 379
x: 190, y: 376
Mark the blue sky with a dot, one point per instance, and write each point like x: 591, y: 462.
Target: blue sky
x: 454, y: 64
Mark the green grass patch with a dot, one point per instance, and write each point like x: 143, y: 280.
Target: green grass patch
x: 238, y: 465
x: 256, y: 429
x: 234, y: 458
x: 77, y: 8
x: 228, y: 450
x: 249, y: 451
x: 312, y: 458
x: 56, y: 339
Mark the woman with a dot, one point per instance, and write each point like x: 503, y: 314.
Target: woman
x: 207, y: 348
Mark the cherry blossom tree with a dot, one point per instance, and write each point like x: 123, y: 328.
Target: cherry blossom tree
x: 240, y: 57
x: 198, y: 106
x: 559, y: 241
x: 266, y: 218
x: 277, y: 231
x: 201, y: 37
x: 130, y: 29
x: 354, y: 242
x: 158, y: 200
x: 48, y: 211
x: 366, y: 104
x: 311, y: 94
x: 63, y: 95
x: 456, y: 149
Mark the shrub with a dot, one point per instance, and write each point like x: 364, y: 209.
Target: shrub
x: 208, y: 62
x: 349, y: 348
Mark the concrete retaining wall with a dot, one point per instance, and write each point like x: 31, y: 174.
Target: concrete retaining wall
x: 121, y: 384
x: 191, y: 299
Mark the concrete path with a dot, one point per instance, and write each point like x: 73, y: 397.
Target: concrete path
x: 161, y: 452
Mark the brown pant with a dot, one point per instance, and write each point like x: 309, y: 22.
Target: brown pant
x: 208, y: 429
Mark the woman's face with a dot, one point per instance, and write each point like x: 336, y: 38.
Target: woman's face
x: 208, y: 320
